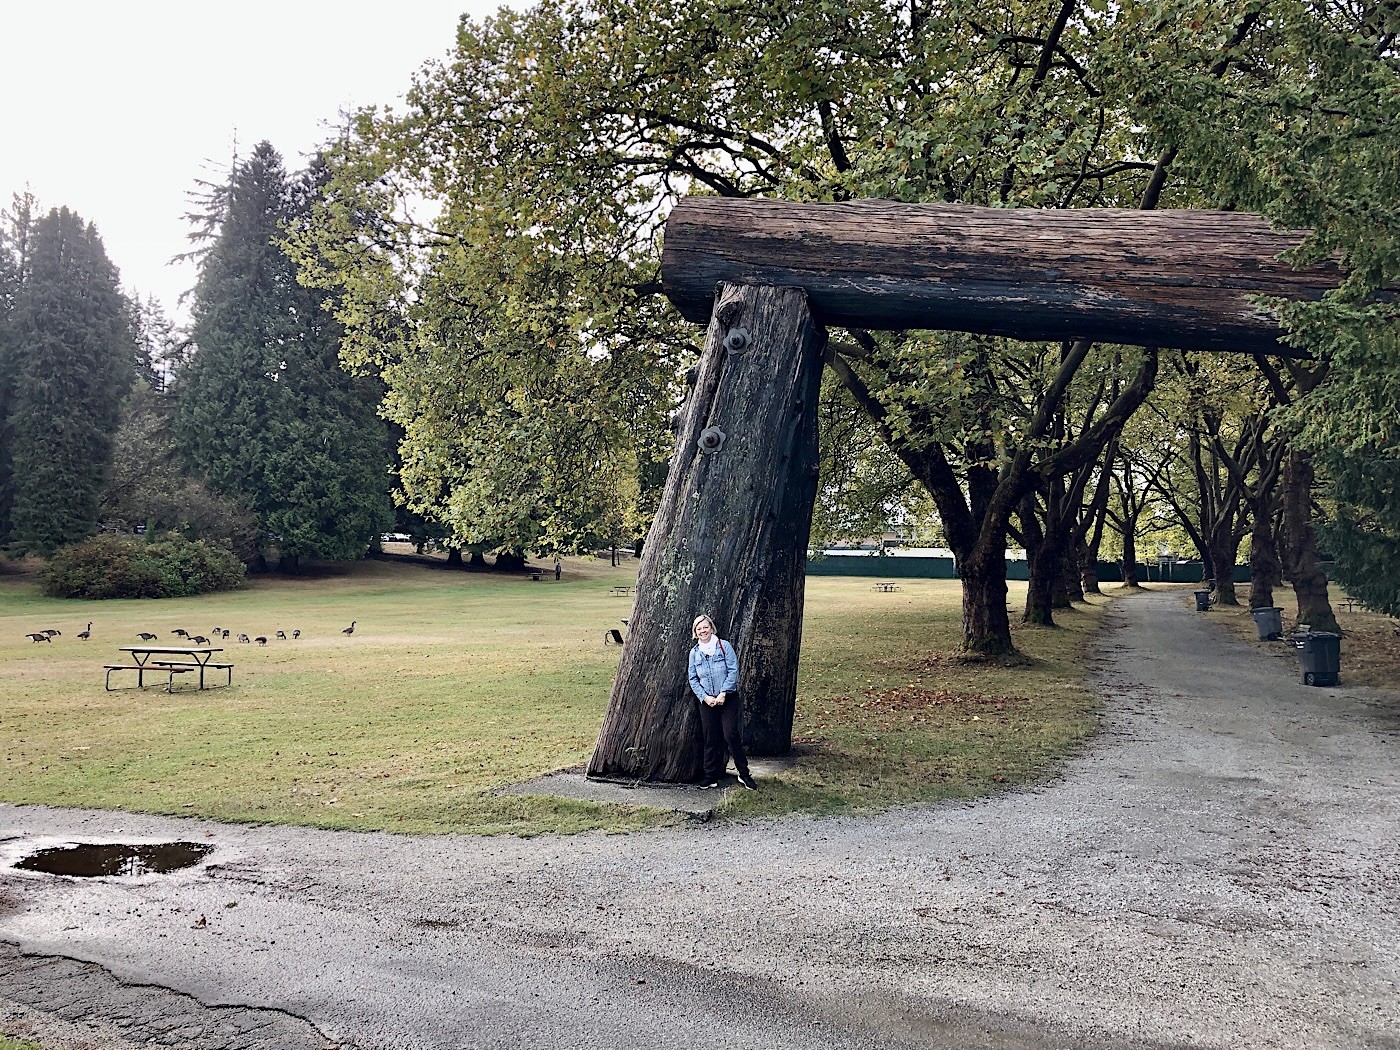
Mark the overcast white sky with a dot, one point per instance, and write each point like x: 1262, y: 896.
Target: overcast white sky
x: 116, y: 108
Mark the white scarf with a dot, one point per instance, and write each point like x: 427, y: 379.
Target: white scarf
x: 709, y: 648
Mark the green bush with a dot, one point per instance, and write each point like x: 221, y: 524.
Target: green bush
x: 109, y: 566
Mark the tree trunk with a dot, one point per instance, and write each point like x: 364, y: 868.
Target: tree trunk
x: 1088, y: 569
x: 729, y: 540
x: 1265, y: 568
x: 477, y: 560
x: 1265, y: 564
x: 1223, y: 558
x: 1151, y: 278
x: 1065, y: 590
x: 1130, y: 559
x: 1039, y: 593
x: 454, y: 557
x: 1300, y: 556
x: 986, y: 622
x: 1040, y: 564
x: 510, y: 561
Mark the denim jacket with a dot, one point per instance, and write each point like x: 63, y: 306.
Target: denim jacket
x: 712, y: 675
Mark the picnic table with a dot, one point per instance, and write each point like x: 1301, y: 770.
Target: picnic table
x: 1349, y: 604
x: 170, y: 661
x: 623, y: 591
x: 886, y: 585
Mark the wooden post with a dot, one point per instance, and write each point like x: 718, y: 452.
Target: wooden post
x: 1152, y: 278
x: 729, y: 540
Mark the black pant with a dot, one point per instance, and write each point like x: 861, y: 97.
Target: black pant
x: 721, y: 728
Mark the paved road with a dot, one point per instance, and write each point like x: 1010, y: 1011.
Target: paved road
x: 1221, y: 868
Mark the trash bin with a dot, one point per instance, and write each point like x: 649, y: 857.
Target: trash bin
x: 1268, y: 623
x: 1319, y: 656
x: 1202, y: 601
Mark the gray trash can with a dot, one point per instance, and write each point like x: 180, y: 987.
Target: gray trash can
x: 1319, y: 657
x: 1268, y: 623
x: 1202, y: 601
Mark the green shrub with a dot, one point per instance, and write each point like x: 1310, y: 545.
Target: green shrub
x: 109, y: 566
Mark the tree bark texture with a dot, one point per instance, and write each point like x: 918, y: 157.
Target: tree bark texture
x: 1130, y: 558
x: 1152, y: 278
x: 729, y: 540
x: 1265, y: 568
x: 986, y: 621
x: 1301, y: 561
x: 1224, y: 553
x: 1065, y: 589
x: 1039, y: 556
x: 1088, y: 569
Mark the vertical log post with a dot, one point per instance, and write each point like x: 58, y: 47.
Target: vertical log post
x: 729, y: 540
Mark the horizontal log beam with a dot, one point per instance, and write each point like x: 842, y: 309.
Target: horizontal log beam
x: 1152, y: 278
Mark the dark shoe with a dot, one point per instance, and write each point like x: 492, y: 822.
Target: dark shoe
x: 712, y: 784
x: 747, y: 781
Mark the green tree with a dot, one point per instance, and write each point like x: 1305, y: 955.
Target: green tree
x: 266, y: 415
x: 1307, y: 132
x: 16, y: 224
x: 73, y: 346
x: 557, y: 138
x: 149, y: 485
x: 1363, y: 535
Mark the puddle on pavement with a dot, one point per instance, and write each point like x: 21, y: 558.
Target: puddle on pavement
x: 115, y: 858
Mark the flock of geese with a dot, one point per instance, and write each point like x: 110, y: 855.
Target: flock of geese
x: 215, y: 633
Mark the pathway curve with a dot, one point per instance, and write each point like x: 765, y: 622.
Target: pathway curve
x: 1220, y: 868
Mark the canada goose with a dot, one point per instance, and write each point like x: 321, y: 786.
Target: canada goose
x: 199, y: 639
x: 181, y: 632
x: 260, y: 639
x: 223, y: 634
x: 147, y: 636
x: 39, y: 637
x: 282, y: 635
x: 217, y: 630
x: 85, y: 635
x: 350, y: 629
x: 243, y: 637
x: 51, y: 632
x: 296, y: 634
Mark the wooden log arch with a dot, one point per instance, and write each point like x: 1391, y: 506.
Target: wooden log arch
x: 730, y: 536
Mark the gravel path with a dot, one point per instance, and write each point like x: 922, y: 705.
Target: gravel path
x: 1220, y: 868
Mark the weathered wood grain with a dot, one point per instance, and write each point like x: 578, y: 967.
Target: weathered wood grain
x: 1154, y: 278
x: 730, y: 540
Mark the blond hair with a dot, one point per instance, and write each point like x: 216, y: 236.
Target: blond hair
x: 702, y: 618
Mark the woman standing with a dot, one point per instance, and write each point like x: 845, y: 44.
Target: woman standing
x: 714, y: 678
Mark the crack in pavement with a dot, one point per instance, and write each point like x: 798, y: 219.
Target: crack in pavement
x: 66, y: 1002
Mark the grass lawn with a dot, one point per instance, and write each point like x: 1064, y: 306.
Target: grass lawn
x: 455, y: 684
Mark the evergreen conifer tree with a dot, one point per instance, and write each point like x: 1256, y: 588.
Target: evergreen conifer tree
x: 71, y: 347
x: 15, y: 224
x: 266, y: 414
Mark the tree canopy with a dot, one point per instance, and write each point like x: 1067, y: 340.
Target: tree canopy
x: 551, y: 145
